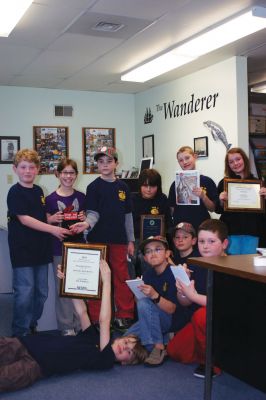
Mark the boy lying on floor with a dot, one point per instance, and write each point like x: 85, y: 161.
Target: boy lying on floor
x: 26, y: 359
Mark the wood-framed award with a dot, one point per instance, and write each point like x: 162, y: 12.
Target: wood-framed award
x: 151, y: 225
x: 243, y: 195
x: 81, y: 268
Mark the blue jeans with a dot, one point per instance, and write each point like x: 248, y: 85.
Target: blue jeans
x: 242, y: 244
x: 30, y: 286
x: 153, y: 324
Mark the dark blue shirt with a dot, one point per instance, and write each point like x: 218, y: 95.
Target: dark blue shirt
x: 112, y: 201
x: 64, y: 354
x: 27, y: 246
x: 195, y: 214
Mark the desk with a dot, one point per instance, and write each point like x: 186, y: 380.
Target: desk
x: 236, y: 318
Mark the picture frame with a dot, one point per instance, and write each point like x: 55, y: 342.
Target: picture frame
x: 151, y: 225
x: 51, y: 144
x: 145, y: 163
x: 93, y: 139
x: 243, y: 195
x: 148, y: 146
x: 9, y: 145
x: 133, y: 173
x: 81, y: 268
x: 201, y: 146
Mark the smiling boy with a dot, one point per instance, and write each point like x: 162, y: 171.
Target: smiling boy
x: 156, y: 310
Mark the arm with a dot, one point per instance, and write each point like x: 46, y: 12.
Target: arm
x: 81, y: 309
x: 34, y: 223
x: 164, y: 304
x: 130, y: 233
x: 92, y: 218
x: 55, y: 218
x: 201, y: 193
x: 105, y: 311
x: 190, y: 294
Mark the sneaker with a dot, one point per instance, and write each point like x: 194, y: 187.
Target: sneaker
x: 200, y: 371
x: 122, y: 324
x: 68, y: 332
x: 155, y: 358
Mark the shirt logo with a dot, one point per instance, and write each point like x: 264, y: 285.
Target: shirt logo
x: 154, y: 210
x: 204, y: 189
x: 43, y: 200
x: 122, y: 195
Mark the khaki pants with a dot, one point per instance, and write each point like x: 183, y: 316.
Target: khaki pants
x: 17, y: 368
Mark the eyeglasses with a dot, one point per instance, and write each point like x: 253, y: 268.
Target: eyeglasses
x: 156, y: 250
x: 66, y: 173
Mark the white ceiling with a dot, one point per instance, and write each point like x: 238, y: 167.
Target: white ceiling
x: 53, y: 46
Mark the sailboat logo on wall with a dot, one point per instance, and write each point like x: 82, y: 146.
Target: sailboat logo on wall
x: 218, y: 133
x: 148, y: 116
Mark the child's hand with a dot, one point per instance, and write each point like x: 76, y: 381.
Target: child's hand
x: 223, y: 196
x: 130, y: 249
x: 199, y: 192
x: 81, y: 216
x: 184, y: 290
x: 79, y: 227
x: 186, y: 269
x: 59, y: 272
x: 57, y: 217
x: 149, y: 291
x: 60, y: 233
x: 105, y: 271
x: 262, y: 192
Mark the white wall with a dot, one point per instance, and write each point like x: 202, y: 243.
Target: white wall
x: 229, y: 80
x: 23, y: 108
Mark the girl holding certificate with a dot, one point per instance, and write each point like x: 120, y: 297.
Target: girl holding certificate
x: 245, y: 228
x: 64, y: 207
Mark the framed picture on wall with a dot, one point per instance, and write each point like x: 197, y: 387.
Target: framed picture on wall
x: 9, y: 145
x: 201, y: 146
x: 93, y: 139
x: 148, y: 146
x: 51, y: 143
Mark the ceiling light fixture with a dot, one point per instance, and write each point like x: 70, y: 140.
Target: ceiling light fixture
x: 11, y: 11
x: 259, y: 87
x: 224, y: 33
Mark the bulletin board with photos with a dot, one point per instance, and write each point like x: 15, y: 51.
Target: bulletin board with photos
x: 51, y: 144
x: 93, y: 140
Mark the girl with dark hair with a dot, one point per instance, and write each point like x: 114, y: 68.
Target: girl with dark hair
x: 150, y: 200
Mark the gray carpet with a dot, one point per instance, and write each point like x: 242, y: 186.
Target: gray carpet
x: 171, y: 381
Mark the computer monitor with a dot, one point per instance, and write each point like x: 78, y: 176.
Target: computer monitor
x: 146, y: 163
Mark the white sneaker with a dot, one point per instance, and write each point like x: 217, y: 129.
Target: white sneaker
x: 68, y: 332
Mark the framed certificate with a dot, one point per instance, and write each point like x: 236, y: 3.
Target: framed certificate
x: 81, y: 267
x: 151, y: 225
x: 243, y: 195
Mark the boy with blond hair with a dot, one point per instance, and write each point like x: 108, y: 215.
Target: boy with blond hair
x: 29, y: 243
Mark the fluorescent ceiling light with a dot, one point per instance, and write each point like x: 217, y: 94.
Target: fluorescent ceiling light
x: 242, y: 25
x: 11, y: 11
x: 259, y: 88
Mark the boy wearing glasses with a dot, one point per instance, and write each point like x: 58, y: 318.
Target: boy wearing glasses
x: 156, y: 309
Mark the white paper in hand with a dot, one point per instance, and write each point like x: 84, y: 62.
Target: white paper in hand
x: 133, y: 285
x: 179, y: 273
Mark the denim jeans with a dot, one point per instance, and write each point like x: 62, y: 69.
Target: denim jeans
x: 153, y: 324
x: 30, y: 286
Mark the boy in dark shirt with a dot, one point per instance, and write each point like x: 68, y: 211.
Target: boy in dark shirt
x: 29, y: 358
x: 184, y: 239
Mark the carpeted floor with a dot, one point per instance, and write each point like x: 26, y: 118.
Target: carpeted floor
x: 171, y: 381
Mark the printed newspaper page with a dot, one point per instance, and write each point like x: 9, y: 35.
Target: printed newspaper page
x: 185, y: 182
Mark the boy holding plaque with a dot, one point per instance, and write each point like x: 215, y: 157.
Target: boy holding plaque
x: 109, y: 221
x: 206, y: 192
x: 26, y: 359
x: 29, y: 243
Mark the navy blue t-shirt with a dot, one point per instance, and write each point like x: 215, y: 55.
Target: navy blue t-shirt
x: 164, y: 284
x: 27, y: 246
x: 156, y: 206
x: 112, y: 201
x: 64, y: 354
x: 194, y: 214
